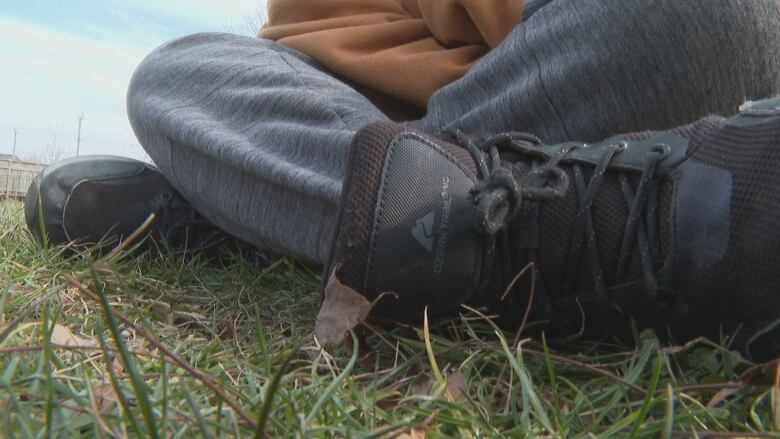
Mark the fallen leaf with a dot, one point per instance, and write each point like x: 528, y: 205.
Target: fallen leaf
x: 456, y: 385
x: 388, y: 403
x: 342, y: 309
x: 761, y: 374
x: 226, y: 329
x: 422, y: 384
x: 119, y: 367
x: 162, y: 311
x: 105, y: 398
x: 63, y: 336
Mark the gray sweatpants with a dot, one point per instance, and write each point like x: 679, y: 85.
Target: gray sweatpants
x: 254, y: 134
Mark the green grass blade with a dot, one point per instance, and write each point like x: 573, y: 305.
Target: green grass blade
x: 202, y: 424
x: 335, y: 383
x: 5, y: 382
x: 126, y: 410
x: 645, y: 408
x: 164, y: 399
x: 551, y: 375
x: 273, y: 385
x: 668, y: 425
x: 47, y: 359
x: 527, y: 384
x: 142, y: 395
x: 41, y: 222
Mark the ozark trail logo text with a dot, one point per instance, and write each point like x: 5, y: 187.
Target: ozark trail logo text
x: 423, y: 228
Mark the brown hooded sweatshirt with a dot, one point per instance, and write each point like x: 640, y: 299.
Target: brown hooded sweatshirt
x: 394, y: 50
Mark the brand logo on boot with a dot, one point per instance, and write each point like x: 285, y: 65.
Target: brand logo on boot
x: 423, y: 231
x: 444, y: 227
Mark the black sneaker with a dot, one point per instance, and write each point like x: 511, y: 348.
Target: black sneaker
x: 674, y: 231
x: 93, y: 200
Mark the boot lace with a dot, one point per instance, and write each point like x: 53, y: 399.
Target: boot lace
x: 501, y: 192
x: 183, y: 227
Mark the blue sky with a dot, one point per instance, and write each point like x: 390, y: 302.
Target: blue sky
x: 59, y: 59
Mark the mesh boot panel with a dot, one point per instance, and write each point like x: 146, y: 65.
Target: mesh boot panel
x: 750, y: 267
x: 93, y: 208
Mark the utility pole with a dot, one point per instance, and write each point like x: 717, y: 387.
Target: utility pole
x: 78, y: 136
x: 8, y: 164
x: 13, y: 154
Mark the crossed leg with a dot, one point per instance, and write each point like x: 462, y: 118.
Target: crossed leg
x: 254, y: 134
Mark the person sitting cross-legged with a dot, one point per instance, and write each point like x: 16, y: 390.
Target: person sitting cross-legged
x: 629, y: 149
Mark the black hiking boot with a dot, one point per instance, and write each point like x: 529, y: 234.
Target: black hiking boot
x: 675, y: 231
x: 92, y: 200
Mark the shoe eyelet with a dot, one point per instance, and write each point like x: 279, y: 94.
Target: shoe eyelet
x: 661, y: 148
x: 621, y: 146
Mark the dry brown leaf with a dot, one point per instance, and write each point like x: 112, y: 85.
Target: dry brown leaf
x: 422, y: 384
x: 388, y: 403
x: 119, y: 368
x: 761, y: 374
x: 226, y: 329
x: 162, y: 311
x: 105, y: 398
x: 456, y: 385
x: 63, y: 336
x: 342, y: 309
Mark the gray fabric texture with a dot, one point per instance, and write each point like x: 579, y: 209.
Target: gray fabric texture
x: 254, y: 134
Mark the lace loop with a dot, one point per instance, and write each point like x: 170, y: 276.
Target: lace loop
x: 535, y: 184
x: 499, y: 194
x: 498, y: 198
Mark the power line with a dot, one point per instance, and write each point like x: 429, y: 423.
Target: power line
x: 78, y: 135
x: 94, y: 142
x: 22, y: 130
x: 131, y: 142
x: 110, y: 131
x: 105, y: 118
x: 25, y: 129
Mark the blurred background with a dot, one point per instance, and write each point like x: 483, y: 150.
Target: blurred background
x: 65, y: 67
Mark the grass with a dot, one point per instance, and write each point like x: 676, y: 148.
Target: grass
x: 173, y: 347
